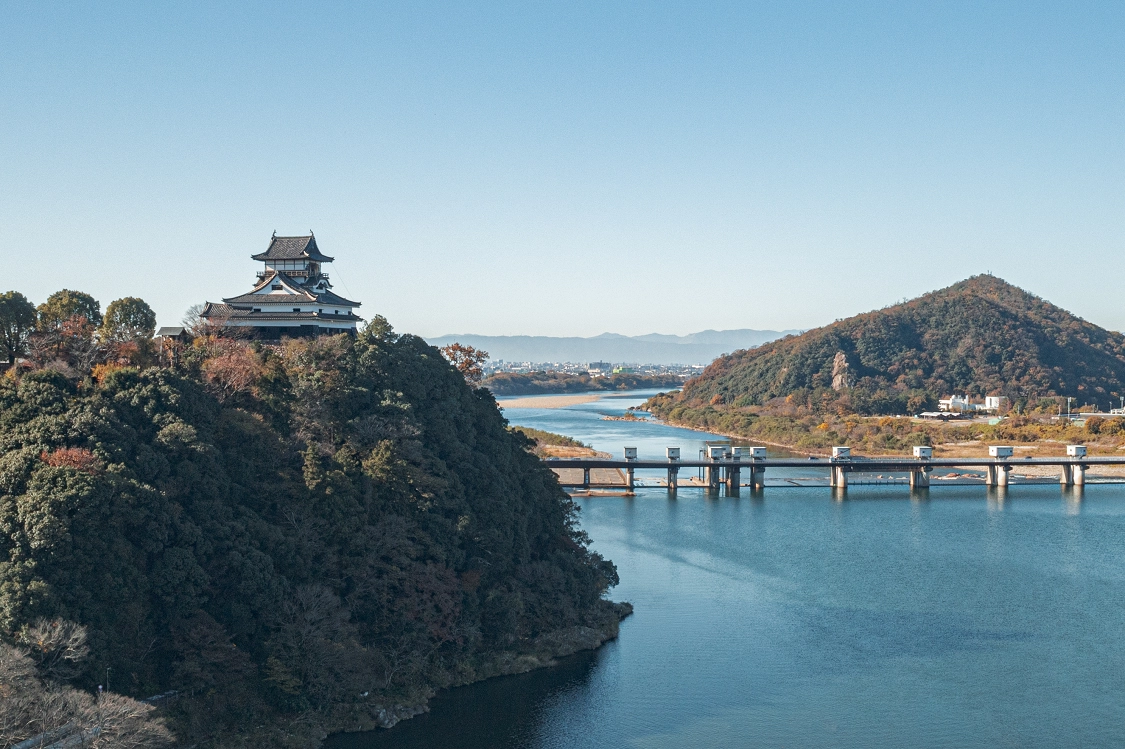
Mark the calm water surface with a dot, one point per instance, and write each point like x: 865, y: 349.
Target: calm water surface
x: 787, y: 619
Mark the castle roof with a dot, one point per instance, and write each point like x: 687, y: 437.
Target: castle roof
x: 293, y: 290
x: 293, y: 248
x: 241, y: 313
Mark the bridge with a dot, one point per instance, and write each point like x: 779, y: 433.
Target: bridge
x: 724, y: 467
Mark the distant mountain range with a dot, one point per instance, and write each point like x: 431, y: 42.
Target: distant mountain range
x: 654, y: 348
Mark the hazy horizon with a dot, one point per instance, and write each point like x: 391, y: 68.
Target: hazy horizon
x: 568, y: 170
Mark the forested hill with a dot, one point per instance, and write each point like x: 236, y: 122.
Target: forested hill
x: 291, y: 539
x: 981, y: 336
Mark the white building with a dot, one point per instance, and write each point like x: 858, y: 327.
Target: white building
x: 962, y: 404
x: 292, y: 296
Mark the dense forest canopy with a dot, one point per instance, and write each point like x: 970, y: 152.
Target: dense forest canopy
x: 979, y: 337
x: 317, y: 530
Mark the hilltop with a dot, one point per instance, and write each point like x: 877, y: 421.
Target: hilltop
x: 841, y: 384
x: 982, y: 336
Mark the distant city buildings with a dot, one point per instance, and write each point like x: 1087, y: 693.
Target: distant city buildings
x: 593, y: 369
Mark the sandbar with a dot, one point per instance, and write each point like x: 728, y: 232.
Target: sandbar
x: 549, y: 401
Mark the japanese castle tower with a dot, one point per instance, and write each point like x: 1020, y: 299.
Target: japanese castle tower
x: 292, y: 296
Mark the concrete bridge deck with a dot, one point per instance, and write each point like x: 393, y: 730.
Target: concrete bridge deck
x: 727, y: 469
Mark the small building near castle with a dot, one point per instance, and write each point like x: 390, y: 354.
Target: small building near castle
x: 292, y: 296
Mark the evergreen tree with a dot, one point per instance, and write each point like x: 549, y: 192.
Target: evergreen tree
x: 17, y: 319
x: 63, y: 305
x: 128, y: 320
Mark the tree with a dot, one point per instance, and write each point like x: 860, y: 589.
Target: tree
x: 192, y: 319
x: 234, y: 369
x: 467, y: 361
x: 65, y: 304
x: 17, y: 319
x: 128, y: 319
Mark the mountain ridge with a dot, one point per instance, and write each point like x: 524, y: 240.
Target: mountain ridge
x: 980, y: 336
x: 651, y: 348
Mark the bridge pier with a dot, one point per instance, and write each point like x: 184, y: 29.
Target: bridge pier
x: 585, y: 478
x: 630, y: 455
x: 673, y: 471
x: 734, y: 472
x: 838, y: 476
x: 997, y: 475
x: 1077, y: 470
x: 920, y: 477
x: 713, y: 474
x: 1002, y: 475
x: 757, y: 473
x: 1066, y: 475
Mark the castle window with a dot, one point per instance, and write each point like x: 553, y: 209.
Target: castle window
x: 296, y: 309
x: 257, y: 309
x: 276, y: 287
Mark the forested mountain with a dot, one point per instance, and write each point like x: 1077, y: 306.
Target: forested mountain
x: 981, y: 336
x: 290, y: 539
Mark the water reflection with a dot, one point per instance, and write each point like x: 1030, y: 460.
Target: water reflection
x: 501, y: 713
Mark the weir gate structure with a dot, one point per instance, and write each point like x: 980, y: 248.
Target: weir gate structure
x: 725, y: 467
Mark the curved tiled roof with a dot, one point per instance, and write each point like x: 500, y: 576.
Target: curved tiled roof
x: 293, y: 248
x: 247, y: 314
x: 297, y: 291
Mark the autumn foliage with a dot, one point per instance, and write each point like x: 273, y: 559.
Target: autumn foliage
x: 78, y: 458
x: 467, y: 360
x: 291, y: 537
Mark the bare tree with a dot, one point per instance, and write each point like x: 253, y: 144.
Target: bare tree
x: 53, y: 714
x: 57, y: 646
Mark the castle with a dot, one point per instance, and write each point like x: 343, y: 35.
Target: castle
x: 292, y: 296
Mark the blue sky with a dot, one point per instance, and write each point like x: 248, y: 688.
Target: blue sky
x: 567, y: 168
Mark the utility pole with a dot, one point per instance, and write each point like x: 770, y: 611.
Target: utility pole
x: 1068, y: 400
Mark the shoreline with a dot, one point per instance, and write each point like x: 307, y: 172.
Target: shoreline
x: 1036, y: 471
x: 542, y: 652
x: 547, y: 401
x: 790, y: 448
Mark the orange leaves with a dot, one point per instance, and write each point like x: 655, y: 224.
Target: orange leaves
x: 467, y: 361
x: 233, y: 369
x: 78, y: 458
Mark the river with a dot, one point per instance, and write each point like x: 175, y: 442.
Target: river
x: 788, y: 619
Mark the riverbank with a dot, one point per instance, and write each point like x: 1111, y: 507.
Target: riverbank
x: 793, y: 429
x: 602, y: 626
x: 549, y: 401
x: 965, y: 449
